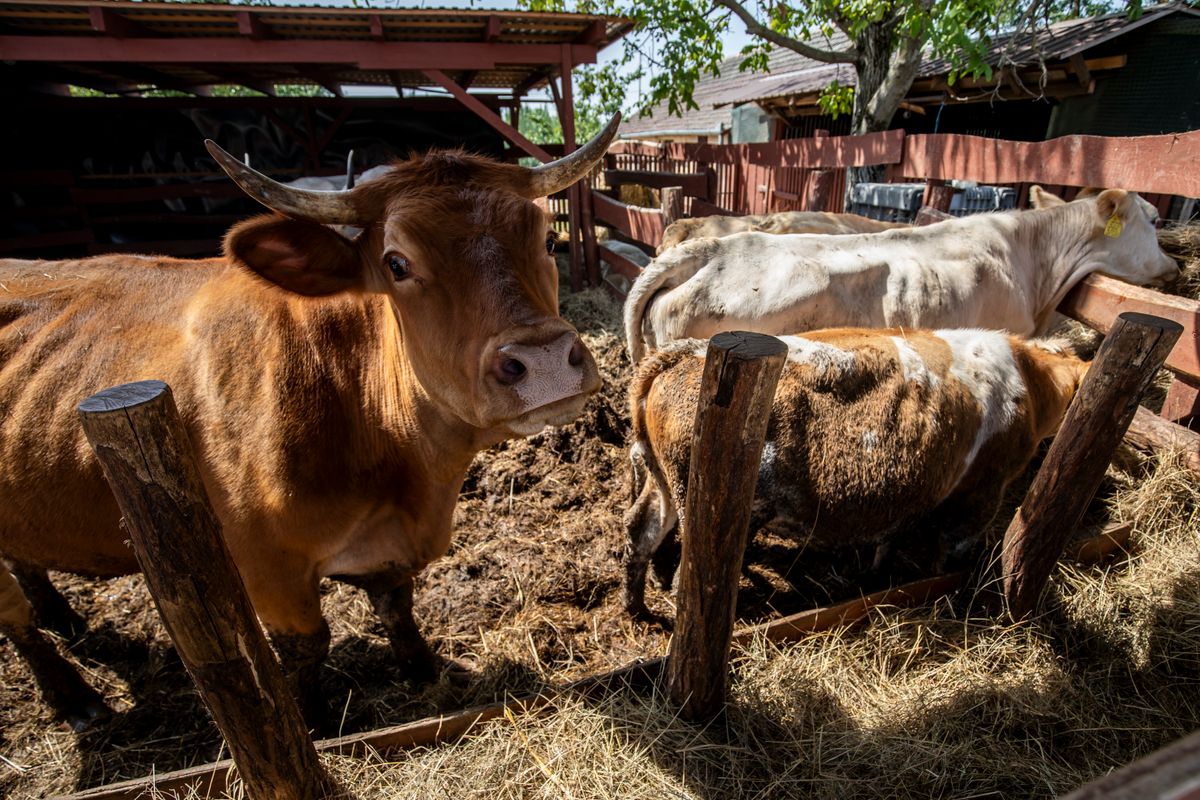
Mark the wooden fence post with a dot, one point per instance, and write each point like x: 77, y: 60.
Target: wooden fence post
x: 819, y: 190
x: 741, y: 371
x: 1133, y: 351
x: 672, y: 205
x: 144, y: 451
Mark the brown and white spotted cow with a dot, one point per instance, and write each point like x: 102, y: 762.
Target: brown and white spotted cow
x: 826, y: 222
x: 870, y: 432
x: 335, y: 390
x: 1006, y: 271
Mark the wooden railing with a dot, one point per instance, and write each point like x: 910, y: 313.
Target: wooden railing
x: 809, y: 174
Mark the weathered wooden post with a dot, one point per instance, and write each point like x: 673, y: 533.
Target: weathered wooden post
x: 740, y: 374
x: 819, y: 190
x: 144, y: 451
x: 1133, y: 351
x: 672, y: 204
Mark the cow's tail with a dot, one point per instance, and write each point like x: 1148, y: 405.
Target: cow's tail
x: 663, y: 273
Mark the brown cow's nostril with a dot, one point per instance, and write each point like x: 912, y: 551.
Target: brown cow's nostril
x: 511, y: 371
x: 575, y: 357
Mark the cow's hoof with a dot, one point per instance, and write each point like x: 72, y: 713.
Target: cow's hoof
x: 80, y: 719
x: 62, y: 620
x: 417, y: 662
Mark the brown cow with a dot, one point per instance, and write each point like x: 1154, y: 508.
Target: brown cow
x: 335, y: 390
x: 870, y: 432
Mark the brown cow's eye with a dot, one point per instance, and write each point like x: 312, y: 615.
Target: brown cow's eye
x: 551, y: 240
x: 399, y: 267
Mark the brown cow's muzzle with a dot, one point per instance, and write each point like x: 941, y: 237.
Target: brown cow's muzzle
x: 543, y: 378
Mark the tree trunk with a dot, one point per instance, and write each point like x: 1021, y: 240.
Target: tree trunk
x: 886, y: 66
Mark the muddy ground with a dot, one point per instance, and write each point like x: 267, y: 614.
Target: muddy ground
x: 527, y: 595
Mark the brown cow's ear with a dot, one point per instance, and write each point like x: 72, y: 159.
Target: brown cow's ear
x: 1040, y: 198
x: 1111, y: 202
x: 303, y: 257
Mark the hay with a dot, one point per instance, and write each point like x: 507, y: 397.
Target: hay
x: 1181, y: 241
x: 946, y: 700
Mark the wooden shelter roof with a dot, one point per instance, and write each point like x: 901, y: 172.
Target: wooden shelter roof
x: 121, y: 46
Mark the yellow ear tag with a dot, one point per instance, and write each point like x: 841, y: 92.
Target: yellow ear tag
x: 1112, y: 228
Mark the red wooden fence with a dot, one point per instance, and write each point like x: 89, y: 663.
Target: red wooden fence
x: 757, y: 178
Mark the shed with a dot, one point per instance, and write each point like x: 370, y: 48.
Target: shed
x: 90, y: 173
x: 1105, y: 75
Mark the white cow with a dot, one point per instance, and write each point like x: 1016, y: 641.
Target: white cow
x: 1004, y: 271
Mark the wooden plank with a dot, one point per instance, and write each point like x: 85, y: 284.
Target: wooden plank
x: 211, y: 779
x: 702, y: 208
x: 35, y: 241
x: 643, y: 225
x: 1097, y: 418
x: 368, y: 55
x: 1156, y: 435
x: 1166, y: 774
x: 1097, y: 300
x: 141, y: 194
x: 619, y: 263
x: 832, y: 151
x: 1165, y: 164
x: 694, y: 184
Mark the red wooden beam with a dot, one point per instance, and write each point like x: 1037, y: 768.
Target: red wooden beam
x: 1097, y: 300
x: 1165, y: 164
x: 487, y: 115
x: 113, y: 24
x: 252, y: 26
x: 367, y: 55
x: 377, y: 28
x: 594, y: 33
x: 491, y: 31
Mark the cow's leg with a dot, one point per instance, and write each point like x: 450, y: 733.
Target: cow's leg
x: 52, y: 609
x: 391, y: 595
x: 647, y: 523
x: 61, y: 686
x: 960, y: 522
x: 289, y: 605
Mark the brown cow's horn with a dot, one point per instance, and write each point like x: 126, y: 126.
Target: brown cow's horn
x: 558, y: 175
x: 328, y: 208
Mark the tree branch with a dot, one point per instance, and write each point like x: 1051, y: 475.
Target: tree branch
x: 756, y: 28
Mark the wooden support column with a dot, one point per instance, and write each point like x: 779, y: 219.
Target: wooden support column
x: 566, y: 118
x: 146, y: 457
x: 1133, y: 350
x: 741, y: 371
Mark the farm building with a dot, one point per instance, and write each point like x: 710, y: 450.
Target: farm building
x: 1106, y: 75
x: 116, y: 98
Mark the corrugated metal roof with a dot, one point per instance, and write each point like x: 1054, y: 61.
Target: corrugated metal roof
x: 185, y: 20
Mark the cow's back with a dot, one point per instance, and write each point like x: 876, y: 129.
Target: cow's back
x: 67, y: 330
x: 869, y: 430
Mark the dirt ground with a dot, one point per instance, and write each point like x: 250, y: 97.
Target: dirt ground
x: 527, y: 595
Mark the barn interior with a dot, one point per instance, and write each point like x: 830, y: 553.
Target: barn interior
x: 115, y: 100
